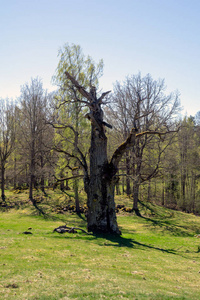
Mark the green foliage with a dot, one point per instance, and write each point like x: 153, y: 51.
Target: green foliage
x: 72, y: 135
x: 82, y: 68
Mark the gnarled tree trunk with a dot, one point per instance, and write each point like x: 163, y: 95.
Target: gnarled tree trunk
x: 101, y: 205
x: 100, y: 181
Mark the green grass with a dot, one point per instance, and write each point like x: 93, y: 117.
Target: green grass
x: 157, y: 257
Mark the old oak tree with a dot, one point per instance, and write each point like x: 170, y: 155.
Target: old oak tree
x: 78, y: 80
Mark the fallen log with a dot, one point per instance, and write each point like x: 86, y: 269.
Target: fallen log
x: 64, y: 229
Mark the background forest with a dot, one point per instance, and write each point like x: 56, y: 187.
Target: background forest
x: 44, y: 138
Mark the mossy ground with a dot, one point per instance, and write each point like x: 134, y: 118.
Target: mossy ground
x: 157, y: 256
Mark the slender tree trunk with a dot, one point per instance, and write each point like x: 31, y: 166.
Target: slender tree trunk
x: 15, y: 173
x: 27, y: 175
x: 32, y: 181
x: 31, y: 187
x: 136, y: 187
x: 76, y: 195
x: 123, y: 185
x: 135, y: 197
x: 67, y: 188
x: 42, y: 175
x: 149, y: 191
x: 75, y: 172
x: 3, y: 197
x: 155, y: 190
x: 42, y: 184
x: 183, y: 185
x: 128, y: 186
x: 32, y: 174
x: 192, y: 196
x: 118, y: 188
x: 75, y: 186
x: 61, y: 182
x: 101, y: 206
x: 163, y: 193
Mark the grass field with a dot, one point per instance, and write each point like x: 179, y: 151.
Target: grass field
x: 157, y: 257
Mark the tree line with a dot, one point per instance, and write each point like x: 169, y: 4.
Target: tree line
x: 137, y: 145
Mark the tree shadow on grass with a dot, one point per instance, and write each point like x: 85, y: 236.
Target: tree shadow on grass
x: 165, y: 219
x: 168, y: 226
x: 106, y: 240
x: 58, y: 217
x: 120, y: 241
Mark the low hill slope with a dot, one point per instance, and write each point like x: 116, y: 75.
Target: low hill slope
x: 157, y: 257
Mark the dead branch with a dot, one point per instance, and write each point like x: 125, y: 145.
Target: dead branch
x: 64, y: 229
x: 59, y: 126
x: 68, y: 178
x: 70, y: 155
x: 81, y: 90
x: 155, y: 132
x: 100, y: 99
x: 117, y: 155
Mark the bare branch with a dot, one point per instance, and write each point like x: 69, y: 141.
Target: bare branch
x: 69, y: 154
x: 61, y: 126
x: 68, y: 178
x: 99, y: 101
x: 156, y: 169
x: 117, y: 155
x: 81, y: 90
x: 156, y: 132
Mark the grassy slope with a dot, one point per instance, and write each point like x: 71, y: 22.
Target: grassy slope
x: 155, y: 258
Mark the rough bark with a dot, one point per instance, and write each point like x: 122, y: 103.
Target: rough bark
x: 100, y: 182
x: 101, y: 205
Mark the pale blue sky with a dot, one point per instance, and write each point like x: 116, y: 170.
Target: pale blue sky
x: 160, y: 37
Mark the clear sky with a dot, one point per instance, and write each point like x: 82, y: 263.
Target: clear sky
x: 160, y: 37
